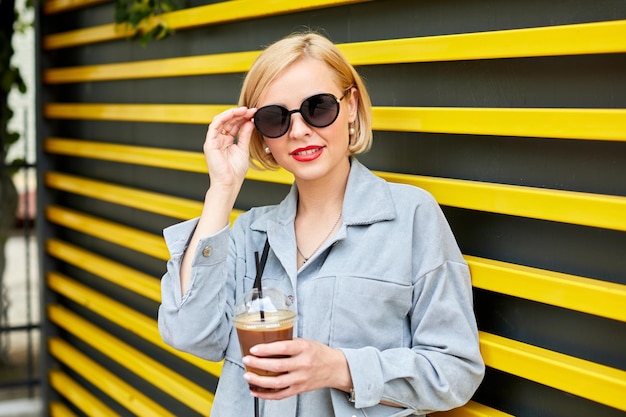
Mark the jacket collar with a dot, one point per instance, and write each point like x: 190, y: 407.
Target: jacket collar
x: 363, y: 187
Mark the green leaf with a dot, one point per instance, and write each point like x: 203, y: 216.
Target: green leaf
x: 137, y: 12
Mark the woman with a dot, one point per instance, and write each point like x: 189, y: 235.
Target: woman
x: 385, y: 325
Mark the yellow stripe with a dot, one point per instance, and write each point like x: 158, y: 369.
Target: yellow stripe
x: 59, y: 6
x: 116, y: 388
x: 158, y: 113
x: 591, y: 124
x: 140, y: 155
x: 164, y: 378
x: 595, y: 210
x: 213, y: 13
x: 222, y: 12
x: 159, y: 68
x: 586, y: 209
x: 109, y: 231
x: 279, y: 176
x: 577, y: 39
x: 230, y: 11
x: 124, y: 317
x: 592, y: 296
x: 576, y: 376
x: 86, y: 36
x: 166, y: 205
x: 152, y: 202
x: 119, y: 274
x: 79, y: 396
x: 59, y: 409
x: 472, y: 409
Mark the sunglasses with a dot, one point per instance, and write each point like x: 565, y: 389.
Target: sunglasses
x: 320, y: 110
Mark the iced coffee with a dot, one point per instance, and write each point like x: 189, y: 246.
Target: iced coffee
x: 263, y: 318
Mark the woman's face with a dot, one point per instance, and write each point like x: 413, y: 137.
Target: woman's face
x: 310, y: 153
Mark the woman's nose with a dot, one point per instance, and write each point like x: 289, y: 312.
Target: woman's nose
x: 299, y: 127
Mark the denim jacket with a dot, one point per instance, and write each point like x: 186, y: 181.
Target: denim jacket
x: 390, y: 289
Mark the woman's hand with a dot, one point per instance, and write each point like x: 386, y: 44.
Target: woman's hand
x: 308, y: 366
x: 228, y: 159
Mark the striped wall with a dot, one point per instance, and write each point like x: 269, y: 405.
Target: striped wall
x: 511, y: 113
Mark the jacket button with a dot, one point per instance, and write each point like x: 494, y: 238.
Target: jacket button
x: 207, y: 251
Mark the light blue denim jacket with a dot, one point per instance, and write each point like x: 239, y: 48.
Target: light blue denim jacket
x: 390, y: 289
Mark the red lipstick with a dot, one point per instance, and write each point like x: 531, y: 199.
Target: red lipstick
x: 307, y: 154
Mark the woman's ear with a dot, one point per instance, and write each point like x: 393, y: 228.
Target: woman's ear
x: 353, y: 104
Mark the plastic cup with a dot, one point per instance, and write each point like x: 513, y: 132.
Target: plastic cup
x: 263, y: 318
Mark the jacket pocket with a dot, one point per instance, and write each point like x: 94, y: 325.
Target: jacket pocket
x: 370, y: 312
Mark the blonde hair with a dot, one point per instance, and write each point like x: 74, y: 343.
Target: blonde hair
x: 278, y: 57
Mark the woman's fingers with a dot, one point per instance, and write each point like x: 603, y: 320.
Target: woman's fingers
x: 245, y: 133
x: 229, y: 123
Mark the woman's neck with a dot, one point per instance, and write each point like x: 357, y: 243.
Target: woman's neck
x: 323, y: 196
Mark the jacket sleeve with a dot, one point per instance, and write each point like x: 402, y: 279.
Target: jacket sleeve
x: 198, y: 321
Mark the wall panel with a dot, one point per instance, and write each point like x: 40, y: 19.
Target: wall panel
x: 512, y: 113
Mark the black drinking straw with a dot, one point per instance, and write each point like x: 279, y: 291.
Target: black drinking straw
x: 260, y: 266
x: 257, y: 284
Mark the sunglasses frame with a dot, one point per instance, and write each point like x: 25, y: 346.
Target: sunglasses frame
x: 299, y: 110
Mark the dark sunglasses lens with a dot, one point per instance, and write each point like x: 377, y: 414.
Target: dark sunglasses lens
x: 272, y: 121
x: 320, y: 110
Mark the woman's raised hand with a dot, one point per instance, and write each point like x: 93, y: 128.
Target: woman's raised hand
x: 226, y: 147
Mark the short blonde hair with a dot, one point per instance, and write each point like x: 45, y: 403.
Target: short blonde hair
x: 283, y: 53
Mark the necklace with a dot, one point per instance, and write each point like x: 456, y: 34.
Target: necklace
x: 306, y: 258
